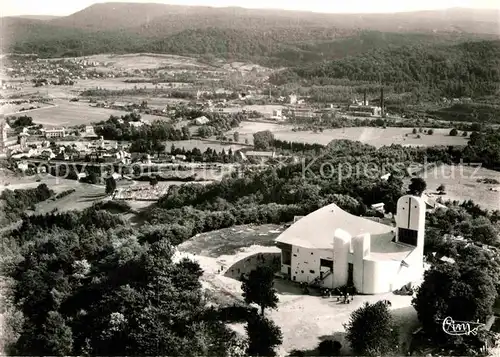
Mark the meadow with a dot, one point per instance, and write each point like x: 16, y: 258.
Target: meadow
x: 15, y: 109
x: 84, y: 196
x: 65, y: 113
x: 113, y: 84
x: 203, y: 145
x: 139, y: 61
x: 462, y: 184
x: 368, y: 135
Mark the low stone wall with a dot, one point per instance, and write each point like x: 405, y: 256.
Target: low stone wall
x: 245, y: 266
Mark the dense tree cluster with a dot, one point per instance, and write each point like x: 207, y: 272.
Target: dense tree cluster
x: 20, y: 122
x: 14, y: 203
x: 467, y: 112
x: 149, y: 138
x: 116, y: 128
x: 86, y: 285
x: 263, y: 140
x: 464, y: 289
x: 106, y: 93
x: 465, y: 220
x: 464, y: 70
x: 220, y: 123
x: 297, y: 147
x: 484, y: 147
x: 209, y: 155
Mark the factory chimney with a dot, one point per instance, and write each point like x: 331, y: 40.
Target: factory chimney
x: 364, y: 98
x: 382, y: 111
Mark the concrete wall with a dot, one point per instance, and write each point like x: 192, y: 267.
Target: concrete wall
x: 361, y: 248
x: 306, y: 264
x: 245, y: 266
x: 386, y: 276
x: 341, y: 246
x: 379, y: 276
x: 327, y: 254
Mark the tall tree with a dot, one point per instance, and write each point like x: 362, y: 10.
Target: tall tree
x: 110, y: 185
x: 57, y: 338
x: 263, y: 140
x: 459, y: 290
x: 259, y: 288
x: 371, y: 330
x: 417, y: 186
x: 263, y: 336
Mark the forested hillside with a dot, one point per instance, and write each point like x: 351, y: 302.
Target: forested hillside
x: 270, y: 37
x: 167, y: 19
x: 276, y: 47
x: 469, y: 69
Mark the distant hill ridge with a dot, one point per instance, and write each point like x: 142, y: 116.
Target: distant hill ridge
x: 276, y: 35
x: 37, y: 17
x: 103, y: 16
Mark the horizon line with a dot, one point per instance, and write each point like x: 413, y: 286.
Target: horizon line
x: 493, y: 9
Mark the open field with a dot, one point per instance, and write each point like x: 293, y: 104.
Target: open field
x: 85, y: 195
x: 7, y: 109
x: 65, y: 113
x: 203, y: 145
x: 461, y: 184
x: 143, y: 61
x: 305, y: 320
x: 231, y: 240
x: 112, y: 84
x: 373, y: 136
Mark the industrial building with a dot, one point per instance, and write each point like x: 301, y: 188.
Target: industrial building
x: 331, y: 248
x: 304, y: 113
x: 55, y: 133
x: 363, y: 109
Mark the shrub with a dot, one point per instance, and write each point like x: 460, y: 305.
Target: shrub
x: 64, y: 193
x: 329, y: 348
x: 120, y: 206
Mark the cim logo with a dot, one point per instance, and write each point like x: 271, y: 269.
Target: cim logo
x: 460, y: 328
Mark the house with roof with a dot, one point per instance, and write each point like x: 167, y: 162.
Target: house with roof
x: 331, y: 248
x: 202, y: 120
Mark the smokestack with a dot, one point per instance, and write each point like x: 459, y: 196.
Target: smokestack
x: 364, y: 97
x: 382, y: 112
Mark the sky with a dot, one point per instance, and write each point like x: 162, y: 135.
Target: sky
x: 67, y: 7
